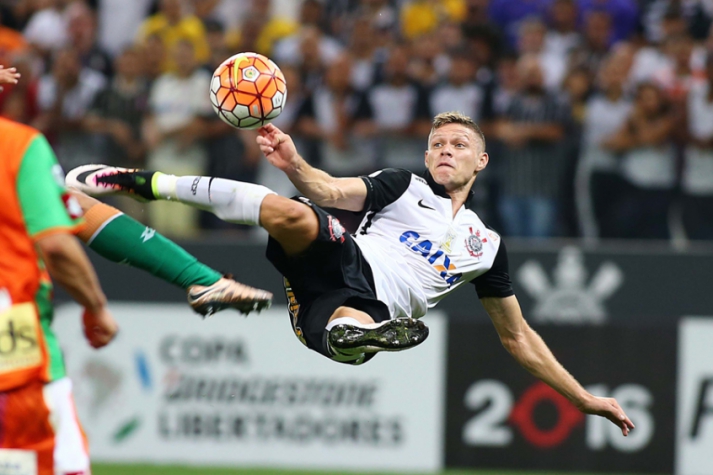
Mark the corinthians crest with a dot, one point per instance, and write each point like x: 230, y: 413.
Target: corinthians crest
x: 474, y: 244
x: 336, y: 230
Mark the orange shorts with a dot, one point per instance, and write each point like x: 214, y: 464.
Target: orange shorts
x: 39, y: 422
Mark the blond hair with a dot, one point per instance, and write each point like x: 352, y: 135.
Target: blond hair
x: 455, y: 117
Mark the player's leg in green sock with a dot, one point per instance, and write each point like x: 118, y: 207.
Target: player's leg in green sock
x: 119, y: 238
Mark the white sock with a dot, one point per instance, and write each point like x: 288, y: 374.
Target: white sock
x: 353, y: 321
x: 232, y: 201
x: 346, y: 320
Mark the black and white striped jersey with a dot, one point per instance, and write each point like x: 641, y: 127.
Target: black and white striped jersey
x: 418, y: 251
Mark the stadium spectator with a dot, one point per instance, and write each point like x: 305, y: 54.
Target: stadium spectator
x: 82, y: 34
x: 46, y: 29
x: 310, y: 45
x: 390, y: 111
x: 697, y: 179
x: 118, y: 110
x: 368, y: 58
x: 645, y: 142
x: 577, y: 89
x: 459, y: 91
x: 172, y: 132
x: 532, y: 156
x: 429, y: 62
x: 660, y: 18
x: 64, y: 97
x: 173, y: 24
x: 383, y: 15
x: 118, y: 23
x: 626, y: 13
x: 315, y: 54
x: 485, y: 39
x: 11, y: 42
x: 327, y: 116
x: 507, y: 15
x: 563, y: 36
x: 259, y: 31
x: 420, y: 17
x: 683, y: 64
x: 596, y: 41
x: 228, y: 13
x: 504, y: 87
x: 154, y: 54
x: 452, y: 37
x: 531, y: 41
x: 218, y: 43
x: 599, y: 184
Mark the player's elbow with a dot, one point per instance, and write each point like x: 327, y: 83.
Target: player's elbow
x: 516, y: 343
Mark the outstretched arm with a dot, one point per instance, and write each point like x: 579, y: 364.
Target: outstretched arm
x: 70, y: 267
x: 320, y: 187
x: 528, y: 348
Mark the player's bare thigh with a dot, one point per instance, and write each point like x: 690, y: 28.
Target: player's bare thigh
x: 291, y: 223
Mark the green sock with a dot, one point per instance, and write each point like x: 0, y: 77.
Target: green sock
x: 127, y: 241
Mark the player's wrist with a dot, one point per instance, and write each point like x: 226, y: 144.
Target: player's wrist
x: 296, y: 166
x: 582, y: 400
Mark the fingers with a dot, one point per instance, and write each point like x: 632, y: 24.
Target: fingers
x: 9, y: 76
x: 271, y: 129
x: 265, y: 145
x: 620, y: 418
x: 268, y: 143
x: 99, y: 337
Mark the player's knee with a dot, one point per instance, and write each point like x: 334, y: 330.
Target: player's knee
x: 85, y: 201
x: 288, y: 214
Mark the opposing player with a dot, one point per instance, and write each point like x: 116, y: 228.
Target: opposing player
x: 353, y: 296
x: 37, y: 223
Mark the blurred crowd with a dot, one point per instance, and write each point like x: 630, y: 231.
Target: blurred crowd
x: 598, y: 113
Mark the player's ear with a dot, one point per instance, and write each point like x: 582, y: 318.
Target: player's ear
x: 483, y: 160
x: 425, y: 158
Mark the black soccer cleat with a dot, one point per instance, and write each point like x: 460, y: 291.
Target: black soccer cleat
x: 392, y: 335
x: 98, y: 180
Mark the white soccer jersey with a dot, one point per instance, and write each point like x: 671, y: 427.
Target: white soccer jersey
x: 418, y: 251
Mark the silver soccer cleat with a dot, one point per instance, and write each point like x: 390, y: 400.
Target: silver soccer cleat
x: 227, y: 293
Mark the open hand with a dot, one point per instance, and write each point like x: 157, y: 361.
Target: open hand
x: 609, y: 408
x: 277, y: 146
x: 8, y: 76
x: 99, y: 327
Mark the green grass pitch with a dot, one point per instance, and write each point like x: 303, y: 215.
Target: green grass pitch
x: 105, y: 469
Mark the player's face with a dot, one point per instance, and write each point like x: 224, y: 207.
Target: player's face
x: 455, y: 155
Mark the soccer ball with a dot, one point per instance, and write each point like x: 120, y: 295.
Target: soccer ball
x: 248, y: 91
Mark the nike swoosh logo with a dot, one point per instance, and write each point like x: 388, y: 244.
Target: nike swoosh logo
x: 420, y: 203
x: 82, y: 177
x: 197, y: 295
